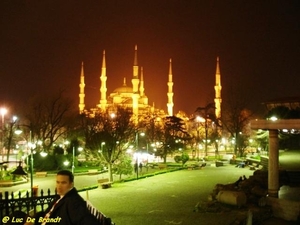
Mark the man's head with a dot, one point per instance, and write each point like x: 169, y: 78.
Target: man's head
x: 64, y: 181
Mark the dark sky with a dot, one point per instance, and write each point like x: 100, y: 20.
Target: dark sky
x: 42, y: 44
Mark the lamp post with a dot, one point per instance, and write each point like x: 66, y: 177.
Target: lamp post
x: 137, y: 157
x: 137, y: 166
x: 198, y: 119
x: 73, y: 156
x: 3, y: 111
x: 206, y: 134
x: 31, y: 163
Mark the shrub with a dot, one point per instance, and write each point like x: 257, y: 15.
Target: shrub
x: 177, y: 158
x: 184, y: 157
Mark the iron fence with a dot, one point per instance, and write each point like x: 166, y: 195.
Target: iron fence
x: 12, y: 204
x: 9, y: 203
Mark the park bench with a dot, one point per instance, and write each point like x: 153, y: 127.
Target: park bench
x: 41, y: 174
x: 196, y: 166
x: 151, y: 165
x: 219, y: 163
x: 253, y: 166
x: 105, y: 183
x: 92, y: 172
x: 191, y: 167
x: 162, y: 166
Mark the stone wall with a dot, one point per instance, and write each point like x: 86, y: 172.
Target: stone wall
x: 264, y: 161
x: 285, y: 209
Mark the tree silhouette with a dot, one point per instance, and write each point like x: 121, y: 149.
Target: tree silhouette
x: 106, y: 136
x: 174, y: 136
x: 208, y: 114
x: 48, y: 118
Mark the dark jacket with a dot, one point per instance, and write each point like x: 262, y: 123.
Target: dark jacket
x: 70, y: 210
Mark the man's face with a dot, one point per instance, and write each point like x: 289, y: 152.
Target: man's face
x: 63, y: 184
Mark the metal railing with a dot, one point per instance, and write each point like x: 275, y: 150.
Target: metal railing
x: 9, y: 203
x: 30, y: 205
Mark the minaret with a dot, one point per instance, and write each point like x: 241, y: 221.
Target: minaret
x: 103, y: 89
x: 142, y: 89
x: 170, y: 93
x: 135, y: 66
x: 218, y: 87
x: 143, y: 97
x: 81, y: 91
x: 135, y: 85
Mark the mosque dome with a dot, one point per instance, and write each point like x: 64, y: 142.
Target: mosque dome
x: 124, y: 88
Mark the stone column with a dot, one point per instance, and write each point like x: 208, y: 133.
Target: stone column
x: 273, y: 173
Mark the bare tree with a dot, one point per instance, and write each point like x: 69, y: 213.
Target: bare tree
x: 208, y: 114
x: 108, y: 134
x: 152, y: 125
x: 48, y: 119
x: 10, y: 137
x: 235, y: 119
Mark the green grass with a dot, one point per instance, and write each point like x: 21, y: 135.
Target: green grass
x: 78, y: 169
x: 213, y: 158
x: 88, y: 188
x: 257, y: 157
x: 142, y: 176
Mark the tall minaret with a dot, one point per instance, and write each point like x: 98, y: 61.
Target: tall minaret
x: 135, y: 85
x: 81, y: 91
x: 103, y: 89
x: 142, y: 89
x: 218, y: 87
x: 170, y: 93
x: 143, y: 97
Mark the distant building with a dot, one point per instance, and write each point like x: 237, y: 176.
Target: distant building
x: 289, y: 102
x: 134, y: 96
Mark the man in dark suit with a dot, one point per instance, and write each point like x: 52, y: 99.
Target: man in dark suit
x: 69, y: 208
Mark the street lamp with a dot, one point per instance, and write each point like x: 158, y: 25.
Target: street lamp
x: 136, y: 166
x: 73, y: 156
x: 136, y: 152
x: 31, y: 163
x: 3, y: 111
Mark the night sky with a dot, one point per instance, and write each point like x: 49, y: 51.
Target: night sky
x: 42, y: 45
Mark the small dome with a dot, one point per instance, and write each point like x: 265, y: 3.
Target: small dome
x: 124, y: 88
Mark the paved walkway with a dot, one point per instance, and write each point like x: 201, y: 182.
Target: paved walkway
x: 166, y: 199
x: 171, y: 198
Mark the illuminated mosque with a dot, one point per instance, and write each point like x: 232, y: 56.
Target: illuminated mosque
x: 134, y: 96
